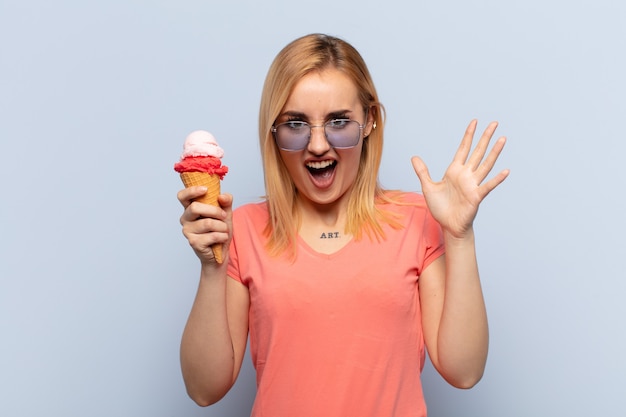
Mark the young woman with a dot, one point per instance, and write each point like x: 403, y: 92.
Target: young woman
x: 340, y: 284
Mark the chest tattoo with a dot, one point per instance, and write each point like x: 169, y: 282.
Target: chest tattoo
x: 330, y: 235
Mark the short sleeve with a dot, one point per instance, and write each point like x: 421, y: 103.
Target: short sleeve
x: 233, y: 261
x: 432, y: 239
x: 247, y: 242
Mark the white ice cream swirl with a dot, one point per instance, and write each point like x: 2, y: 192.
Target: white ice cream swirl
x: 201, y: 143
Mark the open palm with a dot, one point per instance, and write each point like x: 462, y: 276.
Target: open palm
x: 454, y: 200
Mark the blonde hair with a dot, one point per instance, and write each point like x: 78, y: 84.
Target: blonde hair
x: 304, y: 55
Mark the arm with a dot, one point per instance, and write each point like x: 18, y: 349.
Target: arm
x: 453, y: 314
x: 214, y: 339
x: 453, y: 309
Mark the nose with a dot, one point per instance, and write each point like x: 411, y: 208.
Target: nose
x: 318, y: 144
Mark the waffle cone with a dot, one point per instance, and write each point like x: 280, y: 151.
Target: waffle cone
x: 212, y: 182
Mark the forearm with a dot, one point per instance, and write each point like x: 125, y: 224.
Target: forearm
x: 207, y: 356
x: 463, y: 336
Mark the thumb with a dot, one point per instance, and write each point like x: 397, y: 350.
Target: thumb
x: 225, y: 201
x: 421, y: 170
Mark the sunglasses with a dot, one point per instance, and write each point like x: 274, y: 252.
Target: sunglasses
x: 295, y: 135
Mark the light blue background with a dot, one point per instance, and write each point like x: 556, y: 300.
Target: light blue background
x: 96, y: 279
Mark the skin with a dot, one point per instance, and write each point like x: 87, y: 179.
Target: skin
x: 453, y: 310
x: 317, y: 98
x: 454, y: 317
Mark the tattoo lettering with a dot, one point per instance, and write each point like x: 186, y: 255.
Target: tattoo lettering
x: 330, y: 235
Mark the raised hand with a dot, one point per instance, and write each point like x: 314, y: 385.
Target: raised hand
x: 454, y: 200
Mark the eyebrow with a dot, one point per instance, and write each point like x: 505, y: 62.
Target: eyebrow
x: 339, y: 114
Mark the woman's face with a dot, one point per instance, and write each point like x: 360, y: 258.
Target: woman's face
x: 322, y: 174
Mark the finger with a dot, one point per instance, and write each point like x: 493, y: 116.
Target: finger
x: 187, y: 195
x: 482, y: 146
x: 201, y: 243
x: 203, y: 233
x: 490, y: 185
x: 204, y: 226
x: 225, y: 201
x: 422, y: 171
x: 196, y: 210
x: 203, y: 210
x: 487, y: 165
x: 466, y: 143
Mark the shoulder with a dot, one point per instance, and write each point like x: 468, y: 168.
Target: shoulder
x: 402, y: 201
x: 411, y: 210
x: 253, y: 210
x: 412, y: 198
x: 251, y: 216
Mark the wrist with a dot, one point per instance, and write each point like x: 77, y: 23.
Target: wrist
x: 467, y: 237
x: 209, y: 270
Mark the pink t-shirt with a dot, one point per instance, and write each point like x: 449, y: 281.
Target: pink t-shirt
x: 337, y: 335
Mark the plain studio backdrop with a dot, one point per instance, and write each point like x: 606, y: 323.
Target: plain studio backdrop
x: 96, y: 98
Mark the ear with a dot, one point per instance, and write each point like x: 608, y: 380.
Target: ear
x: 370, y: 124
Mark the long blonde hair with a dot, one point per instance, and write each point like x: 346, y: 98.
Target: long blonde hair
x: 304, y: 55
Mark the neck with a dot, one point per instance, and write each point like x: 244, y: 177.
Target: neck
x: 324, y: 230
x: 323, y: 221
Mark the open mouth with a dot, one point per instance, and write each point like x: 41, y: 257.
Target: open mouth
x: 322, y: 171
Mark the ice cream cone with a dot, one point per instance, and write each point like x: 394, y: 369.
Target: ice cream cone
x: 212, y: 182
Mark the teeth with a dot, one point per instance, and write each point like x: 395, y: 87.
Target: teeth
x: 319, y: 164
